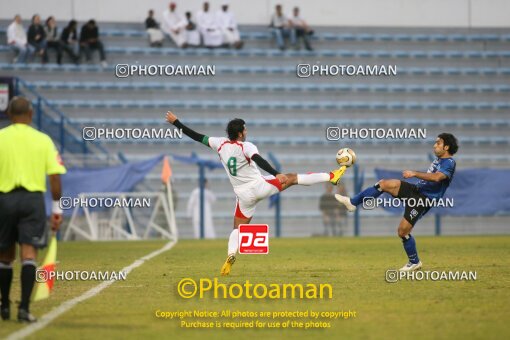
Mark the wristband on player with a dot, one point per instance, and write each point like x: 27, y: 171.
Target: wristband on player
x: 55, y: 208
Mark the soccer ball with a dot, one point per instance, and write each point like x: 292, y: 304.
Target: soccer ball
x: 345, y: 157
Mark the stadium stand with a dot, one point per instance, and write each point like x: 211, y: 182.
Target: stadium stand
x: 462, y: 76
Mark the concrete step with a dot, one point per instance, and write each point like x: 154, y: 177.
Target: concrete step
x: 264, y: 75
x: 120, y: 55
x: 250, y: 114
x: 322, y: 44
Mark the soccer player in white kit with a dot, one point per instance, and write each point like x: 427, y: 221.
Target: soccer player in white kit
x: 240, y: 159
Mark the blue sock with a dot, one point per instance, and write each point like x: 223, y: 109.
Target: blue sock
x: 372, y: 191
x: 410, y: 248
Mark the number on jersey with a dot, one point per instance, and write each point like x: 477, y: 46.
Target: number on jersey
x: 232, y: 166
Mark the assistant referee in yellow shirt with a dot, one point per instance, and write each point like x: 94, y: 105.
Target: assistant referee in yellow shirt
x: 26, y: 157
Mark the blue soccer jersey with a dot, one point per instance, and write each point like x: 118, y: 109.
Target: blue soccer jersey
x: 435, y: 190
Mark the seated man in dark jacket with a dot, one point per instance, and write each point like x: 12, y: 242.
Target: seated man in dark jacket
x: 37, y: 37
x: 89, y: 40
x: 69, y: 39
x: 156, y: 37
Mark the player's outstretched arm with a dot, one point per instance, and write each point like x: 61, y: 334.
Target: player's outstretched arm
x: 431, y: 177
x: 264, y: 165
x: 172, y: 119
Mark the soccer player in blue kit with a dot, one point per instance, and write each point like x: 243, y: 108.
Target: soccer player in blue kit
x: 432, y: 186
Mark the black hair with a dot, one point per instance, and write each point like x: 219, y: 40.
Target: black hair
x: 450, y: 141
x: 33, y: 17
x: 48, y: 21
x: 72, y: 23
x: 234, y: 127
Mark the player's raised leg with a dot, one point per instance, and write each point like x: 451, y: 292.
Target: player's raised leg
x: 390, y: 186
x: 313, y: 178
x: 409, y: 243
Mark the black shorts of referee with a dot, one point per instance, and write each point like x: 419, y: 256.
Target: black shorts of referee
x: 22, y: 218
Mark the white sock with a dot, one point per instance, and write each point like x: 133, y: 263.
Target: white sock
x: 314, y: 178
x: 233, y: 242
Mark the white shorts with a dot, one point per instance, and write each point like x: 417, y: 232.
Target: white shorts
x: 250, y: 194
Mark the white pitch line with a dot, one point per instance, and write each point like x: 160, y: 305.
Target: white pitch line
x: 67, y: 305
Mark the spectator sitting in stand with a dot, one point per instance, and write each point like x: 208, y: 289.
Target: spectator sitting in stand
x: 280, y: 26
x: 209, y: 28
x: 54, y: 42
x: 300, y: 30
x: 155, y: 35
x: 192, y: 34
x: 69, y: 39
x: 17, y: 40
x: 37, y: 38
x: 228, y: 27
x: 173, y: 24
x: 89, y: 40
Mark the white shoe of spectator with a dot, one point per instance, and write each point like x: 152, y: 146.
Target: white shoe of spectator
x: 104, y: 64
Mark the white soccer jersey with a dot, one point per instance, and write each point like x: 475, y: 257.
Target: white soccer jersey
x: 236, y: 159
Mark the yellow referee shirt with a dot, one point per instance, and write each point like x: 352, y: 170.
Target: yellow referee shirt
x: 26, y: 157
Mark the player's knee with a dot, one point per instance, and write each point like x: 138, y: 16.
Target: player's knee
x: 383, y: 184
x: 404, y: 229
x: 386, y: 184
x: 28, y: 252
x: 402, y: 232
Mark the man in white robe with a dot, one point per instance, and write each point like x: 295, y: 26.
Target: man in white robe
x: 194, y: 212
x: 228, y: 27
x: 209, y: 28
x: 174, y: 25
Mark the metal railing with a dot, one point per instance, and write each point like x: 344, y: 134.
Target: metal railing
x: 54, y: 122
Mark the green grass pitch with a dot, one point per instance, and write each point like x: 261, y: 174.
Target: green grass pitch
x: 355, y: 267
